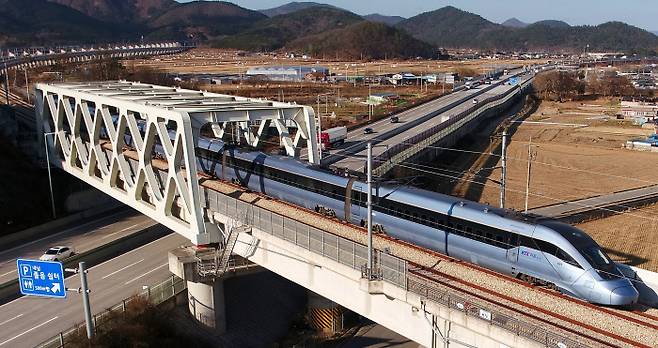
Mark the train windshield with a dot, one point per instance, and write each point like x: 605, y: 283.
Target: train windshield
x: 605, y: 267
x: 591, y: 251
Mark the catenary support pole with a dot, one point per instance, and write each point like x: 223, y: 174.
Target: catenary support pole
x: 369, y: 222
x: 82, y: 268
x: 503, y: 173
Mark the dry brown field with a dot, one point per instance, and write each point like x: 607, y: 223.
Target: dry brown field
x: 579, y: 156
x: 207, y: 60
x: 344, y: 100
x: 630, y: 238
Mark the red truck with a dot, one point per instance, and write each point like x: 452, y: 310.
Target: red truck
x: 329, y: 138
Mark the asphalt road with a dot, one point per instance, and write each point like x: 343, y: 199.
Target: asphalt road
x: 356, y: 161
x: 356, y: 139
x: 29, y: 321
x: 84, y: 237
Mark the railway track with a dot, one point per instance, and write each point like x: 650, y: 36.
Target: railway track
x: 600, y: 326
x: 512, y: 304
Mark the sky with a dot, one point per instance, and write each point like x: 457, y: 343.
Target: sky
x: 641, y: 13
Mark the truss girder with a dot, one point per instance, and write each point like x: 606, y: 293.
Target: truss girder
x: 85, y: 124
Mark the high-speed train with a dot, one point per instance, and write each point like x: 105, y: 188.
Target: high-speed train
x: 538, y: 250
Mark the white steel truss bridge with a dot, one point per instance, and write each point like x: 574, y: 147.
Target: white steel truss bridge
x: 90, y: 124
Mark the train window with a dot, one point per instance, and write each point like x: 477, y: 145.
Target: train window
x: 423, y: 218
x: 450, y: 226
x: 513, y: 240
x: 527, y: 242
x: 478, y: 235
x: 499, y: 241
x: 488, y: 238
x: 415, y: 215
x: 562, y: 255
x: 460, y: 227
x: 546, y: 247
x: 433, y: 221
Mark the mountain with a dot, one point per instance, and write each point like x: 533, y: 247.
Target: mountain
x: 553, y: 24
x: 364, y: 39
x: 389, y: 20
x: 274, y: 33
x: 448, y: 26
x: 38, y: 22
x: 119, y: 11
x: 451, y: 27
x: 514, y: 23
x: 292, y: 7
x: 204, y: 20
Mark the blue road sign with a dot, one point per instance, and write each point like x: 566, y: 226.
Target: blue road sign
x: 41, y: 278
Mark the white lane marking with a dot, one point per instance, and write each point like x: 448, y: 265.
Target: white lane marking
x: 8, y: 320
x: 30, y: 330
x: 110, y: 260
x: 70, y: 229
x: 125, y: 229
x: 149, y: 272
x: 121, y: 269
x: 12, y: 271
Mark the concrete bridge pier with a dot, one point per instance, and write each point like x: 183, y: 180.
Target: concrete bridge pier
x: 207, y: 305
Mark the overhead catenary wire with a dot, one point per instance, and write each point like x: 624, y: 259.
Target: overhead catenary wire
x: 520, y: 191
x: 451, y: 229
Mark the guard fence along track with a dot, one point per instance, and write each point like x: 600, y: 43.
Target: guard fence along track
x: 399, y: 263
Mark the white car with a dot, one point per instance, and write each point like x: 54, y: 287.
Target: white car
x: 57, y: 253
x: 475, y: 101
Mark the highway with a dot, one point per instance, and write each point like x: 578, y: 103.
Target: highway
x: 83, y: 237
x: 410, y: 119
x: 29, y: 321
x: 356, y: 161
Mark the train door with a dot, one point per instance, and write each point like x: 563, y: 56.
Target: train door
x: 357, y: 196
x: 513, y: 253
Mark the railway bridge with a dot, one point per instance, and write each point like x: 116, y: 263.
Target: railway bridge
x: 424, y: 296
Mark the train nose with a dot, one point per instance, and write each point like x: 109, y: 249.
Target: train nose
x: 623, y: 296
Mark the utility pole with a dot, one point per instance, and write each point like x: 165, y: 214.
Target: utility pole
x: 369, y: 205
x: 503, y: 173
x: 531, y: 157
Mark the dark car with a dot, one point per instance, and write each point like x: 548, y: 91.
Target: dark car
x: 368, y: 131
x: 395, y: 119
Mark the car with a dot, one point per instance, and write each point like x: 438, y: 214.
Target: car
x: 395, y: 119
x: 475, y: 101
x: 57, y: 253
x: 368, y: 131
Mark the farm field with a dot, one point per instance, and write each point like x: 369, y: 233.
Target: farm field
x: 582, y: 160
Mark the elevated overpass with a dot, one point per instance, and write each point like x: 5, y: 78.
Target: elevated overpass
x: 599, y: 206
x: 417, y: 125
x: 28, y: 58
x: 424, y: 296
